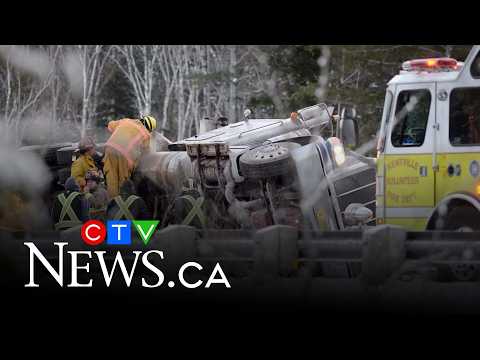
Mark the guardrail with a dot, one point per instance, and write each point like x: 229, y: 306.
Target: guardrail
x: 374, y: 254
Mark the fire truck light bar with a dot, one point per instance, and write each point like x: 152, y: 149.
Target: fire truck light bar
x: 436, y: 64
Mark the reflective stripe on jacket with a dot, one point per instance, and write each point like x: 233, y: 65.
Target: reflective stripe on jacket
x: 67, y: 209
x: 124, y: 208
x: 195, y: 210
x: 130, y: 138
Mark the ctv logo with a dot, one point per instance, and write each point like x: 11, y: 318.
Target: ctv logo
x: 119, y: 232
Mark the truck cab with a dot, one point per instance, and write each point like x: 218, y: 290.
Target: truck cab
x: 428, y: 151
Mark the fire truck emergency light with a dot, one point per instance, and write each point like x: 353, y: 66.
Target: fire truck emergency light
x: 435, y: 64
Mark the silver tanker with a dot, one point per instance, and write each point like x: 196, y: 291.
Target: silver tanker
x: 292, y: 171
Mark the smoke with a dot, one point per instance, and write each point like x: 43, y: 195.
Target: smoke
x: 23, y: 180
x: 39, y: 129
x: 73, y: 69
x: 23, y: 171
x: 36, y: 130
x: 24, y: 176
x: 38, y: 63
x: 366, y: 147
x: 32, y: 61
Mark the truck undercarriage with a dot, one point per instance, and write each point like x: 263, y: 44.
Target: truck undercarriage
x: 254, y: 173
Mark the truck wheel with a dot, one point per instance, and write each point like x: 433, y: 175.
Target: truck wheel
x: 463, y: 218
x: 267, y: 160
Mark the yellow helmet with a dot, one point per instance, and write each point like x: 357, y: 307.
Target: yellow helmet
x: 149, y: 122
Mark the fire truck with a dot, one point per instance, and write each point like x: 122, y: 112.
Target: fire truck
x: 428, y: 151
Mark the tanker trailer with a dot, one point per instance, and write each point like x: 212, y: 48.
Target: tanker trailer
x: 259, y: 172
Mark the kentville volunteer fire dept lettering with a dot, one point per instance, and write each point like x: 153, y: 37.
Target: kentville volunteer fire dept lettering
x: 405, y: 164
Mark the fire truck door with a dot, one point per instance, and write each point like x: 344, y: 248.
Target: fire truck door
x: 409, y: 155
x: 459, y: 140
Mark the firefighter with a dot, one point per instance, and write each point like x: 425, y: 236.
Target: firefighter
x: 97, y: 196
x: 189, y: 207
x: 85, y: 162
x: 471, y: 126
x: 129, y: 140
x: 127, y: 205
x: 70, y: 208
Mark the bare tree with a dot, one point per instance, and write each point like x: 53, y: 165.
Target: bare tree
x: 23, y: 85
x: 58, y: 94
x: 181, y: 60
x: 265, y: 79
x: 232, y: 113
x: 138, y: 63
x: 169, y: 74
x: 90, y: 61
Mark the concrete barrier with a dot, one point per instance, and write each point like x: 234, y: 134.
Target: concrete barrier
x: 178, y: 243
x: 276, y: 251
x: 383, y: 252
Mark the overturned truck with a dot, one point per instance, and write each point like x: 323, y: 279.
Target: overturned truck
x: 260, y: 172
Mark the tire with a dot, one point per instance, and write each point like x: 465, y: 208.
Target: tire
x: 463, y: 218
x: 267, y: 161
